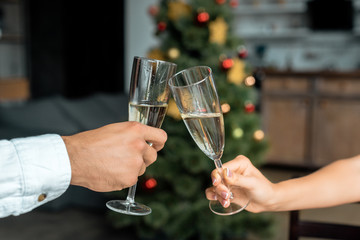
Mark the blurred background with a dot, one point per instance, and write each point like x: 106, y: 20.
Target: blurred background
x: 65, y: 67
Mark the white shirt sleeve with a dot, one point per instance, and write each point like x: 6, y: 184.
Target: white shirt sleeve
x: 33, y: 171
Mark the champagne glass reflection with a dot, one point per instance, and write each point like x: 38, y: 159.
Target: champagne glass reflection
x: 195, y: 95
x: 148, y: 99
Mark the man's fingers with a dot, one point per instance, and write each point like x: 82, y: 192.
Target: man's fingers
x: 142, y: 170
x: 157, y: 137
x: 150, y: 155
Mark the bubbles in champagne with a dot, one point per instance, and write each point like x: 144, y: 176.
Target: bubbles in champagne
x: 207, y: 130
x: 152, y: 115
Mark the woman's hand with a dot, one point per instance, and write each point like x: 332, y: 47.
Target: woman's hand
x: 246, y: 183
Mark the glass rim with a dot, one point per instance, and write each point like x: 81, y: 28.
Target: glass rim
x: 186, y: 70
x: 155, y: 60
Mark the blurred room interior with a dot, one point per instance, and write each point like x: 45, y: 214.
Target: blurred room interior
x: 65, y: 67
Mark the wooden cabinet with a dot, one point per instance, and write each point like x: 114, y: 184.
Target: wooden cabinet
x: 13, y: 81
x: 336, y: 130
x: 283, y: 116
x: 311, y: 119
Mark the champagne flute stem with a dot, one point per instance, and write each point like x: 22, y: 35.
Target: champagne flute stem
x: 218, y: 165
x: 131, y: 194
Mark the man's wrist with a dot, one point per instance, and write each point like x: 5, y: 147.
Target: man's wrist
x: 69, y: 150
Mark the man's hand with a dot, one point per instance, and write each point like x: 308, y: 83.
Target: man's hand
x: 112, y: 157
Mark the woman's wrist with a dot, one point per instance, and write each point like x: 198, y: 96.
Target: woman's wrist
x: 276, y: 202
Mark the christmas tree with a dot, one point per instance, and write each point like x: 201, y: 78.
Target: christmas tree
x: 193, y: 33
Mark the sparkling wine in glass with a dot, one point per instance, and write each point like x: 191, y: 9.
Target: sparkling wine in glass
x: 148, y: 101
x: 196, y: 97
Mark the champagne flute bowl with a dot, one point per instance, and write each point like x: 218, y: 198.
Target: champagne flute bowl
x: 196, y: 97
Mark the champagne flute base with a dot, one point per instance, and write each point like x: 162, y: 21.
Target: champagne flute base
x: 217, y: 208
x: 126, y: 207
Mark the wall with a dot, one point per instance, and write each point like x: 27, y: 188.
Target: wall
x: 139, y: 31
x: 12, y: 56
x: 277, y: 35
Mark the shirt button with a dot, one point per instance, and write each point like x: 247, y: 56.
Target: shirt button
x: 41, y: 197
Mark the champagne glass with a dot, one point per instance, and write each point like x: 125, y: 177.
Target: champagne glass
x: 148, y: 101
x: 196, y: 97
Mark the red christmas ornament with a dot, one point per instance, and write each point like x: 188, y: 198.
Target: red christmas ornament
x: 153, y: 10
x: 203, y: 17
x: 234, y: 3
x: 150, y: 183
x: 242, y: 52
x: 161, y: 26
x: 227, y: 64
x: 249, y: 107
x: 220, y: 1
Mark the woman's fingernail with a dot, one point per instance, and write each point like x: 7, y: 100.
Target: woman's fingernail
x: 214, y: 180
x: 228, y: 172
x: 225, y: 195
x: 215, y: 197
x: 225, y: 203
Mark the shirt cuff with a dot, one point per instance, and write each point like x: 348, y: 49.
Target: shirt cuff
x: 45, y: 167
